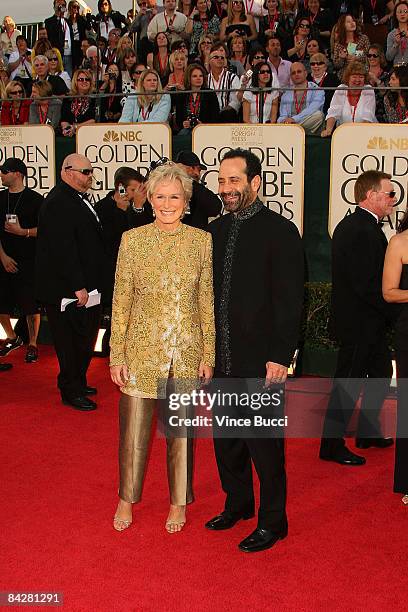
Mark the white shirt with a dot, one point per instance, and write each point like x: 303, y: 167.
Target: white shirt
x: 67, y: 37
x: 256, y: 9
x: 20, y: 71
x: 227, y: 80
x: 253, y: 99
x: 161, y: 22
x: 282, y: 72
x: 341, y: 110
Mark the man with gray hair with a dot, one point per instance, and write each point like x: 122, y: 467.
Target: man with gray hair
x: 41, y: 67
x: 71, y: 262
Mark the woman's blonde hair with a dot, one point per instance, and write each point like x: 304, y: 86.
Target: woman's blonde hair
x: 230, y: 14
x: 56, y: 52
x: 74, y: 83
x: 175, y: 55
x: 142, y: 99
x: 44, y: 88
x: 319, y: 57
x: 166, y: 173
x: 10, y: 85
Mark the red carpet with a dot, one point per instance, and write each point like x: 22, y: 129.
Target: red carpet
x: 346, y: 549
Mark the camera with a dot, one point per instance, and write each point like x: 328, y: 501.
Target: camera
x: 112, y: 76
x: 11, y: 218
x: 122, y: 190
x: 403, y: 34
x: 193, y: 119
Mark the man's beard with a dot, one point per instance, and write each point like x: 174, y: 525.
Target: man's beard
x: 235, y: 201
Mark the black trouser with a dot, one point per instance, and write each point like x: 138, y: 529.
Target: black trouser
x: 234, y: 456
x: 359, y: 366
x: 74, y: 334
x: 401, y: 443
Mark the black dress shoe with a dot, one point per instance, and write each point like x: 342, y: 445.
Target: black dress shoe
x: 90, y: 390
x: 227, y: 519
x: 5, y: 366
x: 377, y: 442
x: 79, y: 403
x: 261, y: 539
x: 344, y: 456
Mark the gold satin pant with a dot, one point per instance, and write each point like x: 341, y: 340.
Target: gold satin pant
x: 135, y: 423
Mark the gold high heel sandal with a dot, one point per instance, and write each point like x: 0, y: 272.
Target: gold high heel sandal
x: 121, y: 524
x: 173, y: 526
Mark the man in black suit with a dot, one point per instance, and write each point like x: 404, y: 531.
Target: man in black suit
x: 204, y: 204
x: 359, y: 320
x: 258, y: 289
x: 60, y: 33
x: 71, y: 262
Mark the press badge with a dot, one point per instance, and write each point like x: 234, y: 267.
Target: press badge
x: 66, y: 45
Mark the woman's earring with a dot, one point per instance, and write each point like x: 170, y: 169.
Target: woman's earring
x: 154, y: 214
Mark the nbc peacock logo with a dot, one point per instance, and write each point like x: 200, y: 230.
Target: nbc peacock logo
x: 387, y: 144
x: 111, y: 136
x: 377, y: 143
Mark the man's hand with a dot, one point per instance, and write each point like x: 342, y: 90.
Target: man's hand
x: 275, y: 373
x: 205, y: 373
x: 119, y: 375
x: 9, y: 264
x: 15, y: 228
x: 82, y: 296
x: 289, y: 120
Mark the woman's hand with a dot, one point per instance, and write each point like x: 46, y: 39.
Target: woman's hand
x: 119, y: 375
x: 186, y: 124
x: 205, y: 373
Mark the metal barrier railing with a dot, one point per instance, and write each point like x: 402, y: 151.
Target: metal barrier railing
x: 30, y: 31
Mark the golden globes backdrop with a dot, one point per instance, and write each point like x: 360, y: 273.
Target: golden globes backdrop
x: 111, y: 146
x: 281, y: 149
x: 359, y: 147
x: 35, y: 145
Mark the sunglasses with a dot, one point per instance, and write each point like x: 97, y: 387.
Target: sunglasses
x: 317, y: 63
x: 85, y: 171
x: 138, y: 71
x: 217, y: 57
x: 260, y: 57
x: 84, y: 80
x: 391, y: 194
x: 372, y: 55
x: 236, y: 2
x: 17, y: 91
x: 264, y: 72
x: 304, y: 25
x: 53, y: 59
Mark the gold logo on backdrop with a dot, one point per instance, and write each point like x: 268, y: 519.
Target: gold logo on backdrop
x: 111, y: 136
x: 377, y: 143
x: 128, y: 136
x: 387, y: 144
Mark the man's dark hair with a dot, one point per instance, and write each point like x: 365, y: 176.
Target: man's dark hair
x: 21, y: 37
x: 124, y: 175
x: 369, y: 180
x: 253, y: 164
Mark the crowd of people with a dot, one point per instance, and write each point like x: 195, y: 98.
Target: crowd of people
x: 207, y: 61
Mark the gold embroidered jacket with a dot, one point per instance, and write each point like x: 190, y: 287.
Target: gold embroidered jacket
x: 163, y: 306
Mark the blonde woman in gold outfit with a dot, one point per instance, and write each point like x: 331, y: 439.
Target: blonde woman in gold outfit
x: 162, y: 329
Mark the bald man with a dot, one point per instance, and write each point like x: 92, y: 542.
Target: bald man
x: 71, y: 262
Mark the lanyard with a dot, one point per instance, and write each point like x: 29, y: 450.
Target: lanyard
x: 322, y: 80
x: 43, y: 114
x: 195, y: 105
x: 204, y: 23
x: 373, y: 5
x: 146, y: 113
x: 298, y: 105
x: 353, y: 106
x: 11, y: 34
x: 163, y: 67
x: 257, y: 105
x: 15, y: 116
x: 218, y: 8
x: 169, y: 23
x: 273, y: 20
x: 249, y: 7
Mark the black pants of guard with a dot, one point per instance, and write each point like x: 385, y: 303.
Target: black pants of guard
x: 360, y: 367
x: 74, y: 333
x: 401, y: 443
x: 234, y: 460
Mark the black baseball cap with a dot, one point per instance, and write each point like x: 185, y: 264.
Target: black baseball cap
x: 188, y: 158
x: 13, y: 164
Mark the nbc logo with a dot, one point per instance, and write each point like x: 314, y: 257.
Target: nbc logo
x: 387, y: 144
x: 111, y: 136
x: 377, y: 143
